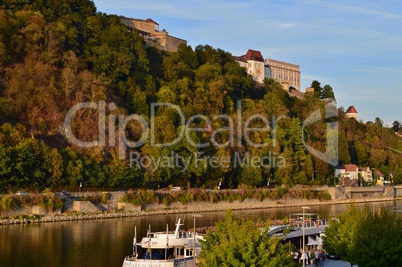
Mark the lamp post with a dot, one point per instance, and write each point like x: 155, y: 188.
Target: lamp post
x: 79, y: 194
x: 304, y: 260
x: 195, y: 247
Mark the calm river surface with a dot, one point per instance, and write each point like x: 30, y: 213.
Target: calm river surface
x: 106, y: 242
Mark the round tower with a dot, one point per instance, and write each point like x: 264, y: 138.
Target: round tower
x: 351, y: 112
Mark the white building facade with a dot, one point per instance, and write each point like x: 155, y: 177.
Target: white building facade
x: 254, y: 62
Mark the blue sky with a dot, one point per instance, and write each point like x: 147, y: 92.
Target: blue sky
x: 355, y: 46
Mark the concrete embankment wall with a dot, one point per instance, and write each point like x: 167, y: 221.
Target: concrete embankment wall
x: 341, y: 192
x: 115, y: 208
x: 29, y: 210
x: 85, y: 207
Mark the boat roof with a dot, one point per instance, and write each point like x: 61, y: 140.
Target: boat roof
x: 305, y: 214
x: 307, y: 232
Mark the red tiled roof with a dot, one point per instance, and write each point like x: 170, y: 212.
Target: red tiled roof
x: 351, y: 109
x: 254, y: 55
x: 350, y: 167
x: 363, y: 168
x: 379, y: 174
x: 241, y: 58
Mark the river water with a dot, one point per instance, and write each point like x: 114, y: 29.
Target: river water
x: 105, y: 242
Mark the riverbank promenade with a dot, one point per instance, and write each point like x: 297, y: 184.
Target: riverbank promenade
x: 334, y: 263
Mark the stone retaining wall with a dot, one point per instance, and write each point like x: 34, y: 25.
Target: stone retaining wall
x: 115, y: 206
x: 84, y: 206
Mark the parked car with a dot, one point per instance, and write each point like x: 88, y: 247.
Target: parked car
x: 22, y: 193
x: 175, y: 188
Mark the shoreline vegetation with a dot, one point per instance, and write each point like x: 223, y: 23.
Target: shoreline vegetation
x: 147, y: 203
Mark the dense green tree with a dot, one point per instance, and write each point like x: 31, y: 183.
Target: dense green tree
x: 375, y: 246
x: 317, y: 87
x: 6, y: 167
x: 338, y: 239
x: 396, y: 125
x: 361, y: 153
x: 73, y: 167
x: 275, y: 108
x: 358, y: 236
x: 327, y: 92
x: 343, y: 148
x: 379, y: 121
x: 251, y: 175
x: 238, y: 242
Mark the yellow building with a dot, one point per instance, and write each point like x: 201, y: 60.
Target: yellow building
x: 287, y: 74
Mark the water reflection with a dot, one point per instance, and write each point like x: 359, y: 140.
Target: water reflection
x: 106, y: 242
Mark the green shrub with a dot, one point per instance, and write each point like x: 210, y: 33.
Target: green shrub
x: 50, y: 202
x: 185, y: 198
x: 273, y: 195
x: 105, y: 197
x: 166, y: 199
x: 143, y: 197
x: 128, y: 197
x: 307, y: 194
x: 257, y: 196
x: 323, y: 195
x: 281, y: 191
x: 9, y: 203
x: 93, y: 198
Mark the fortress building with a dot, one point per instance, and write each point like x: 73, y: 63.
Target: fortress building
x: 255, y: 65
x: 287, y: 74
x: 149, y: 30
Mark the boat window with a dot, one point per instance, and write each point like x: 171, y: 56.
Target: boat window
x: 170, y: 253
x: 189, y: 252
x: 156, y: 254
x: 181, y: 252
x: 182, y: 234
x: 151, y: 235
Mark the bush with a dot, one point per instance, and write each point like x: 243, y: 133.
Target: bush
x: 281, y: 191
x: 105, y: 197
x: 93, y: 198
x: 9, y: 203
x: 257, y: 196
x: 323, y: 195
x: 166, y: 199
x: 143, y: 197
x: 186, y: 197
x: 50, y: 202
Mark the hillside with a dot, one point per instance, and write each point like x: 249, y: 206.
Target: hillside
x: 54, y: 57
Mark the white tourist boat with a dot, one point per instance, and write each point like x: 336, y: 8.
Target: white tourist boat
x: 164, y: 249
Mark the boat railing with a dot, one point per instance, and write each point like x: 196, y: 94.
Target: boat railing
x: 184, y: 234
x: 130, y: 258
x: 309, y: 224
